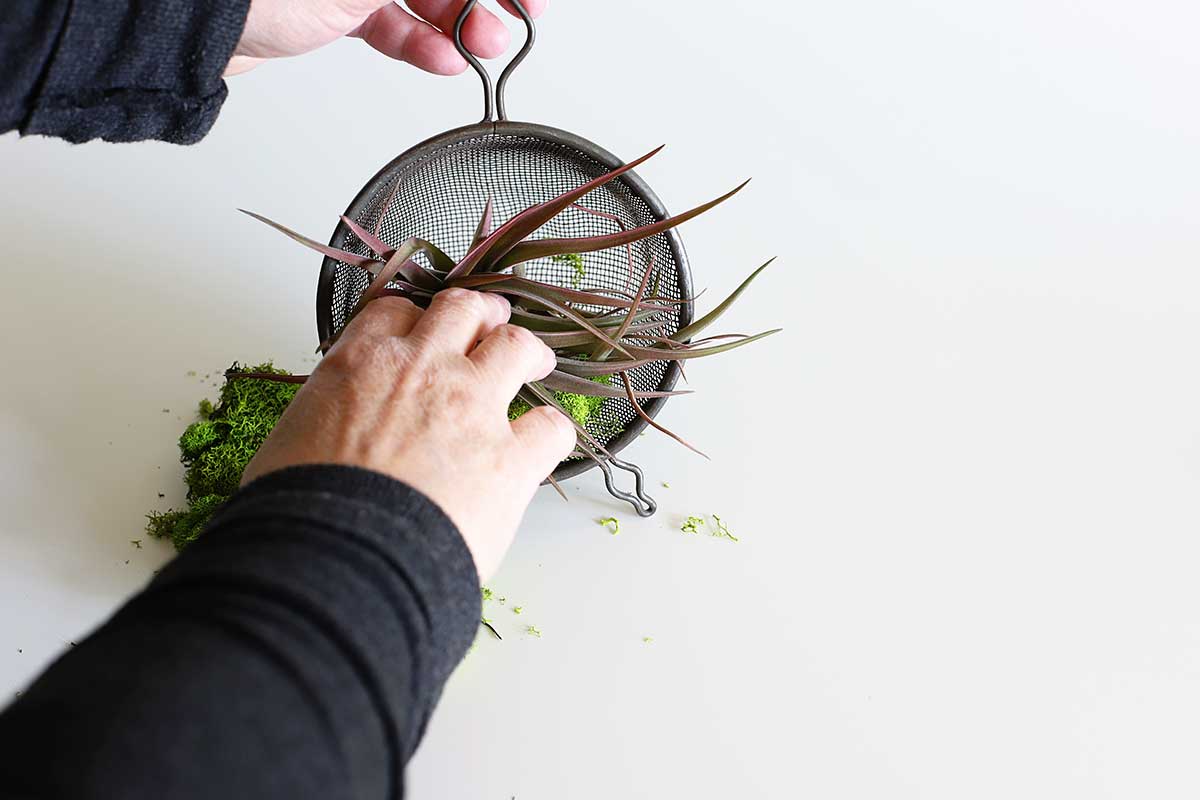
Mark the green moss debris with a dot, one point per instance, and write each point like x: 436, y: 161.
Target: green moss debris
x: 575, y: 262
x: 215, y: 450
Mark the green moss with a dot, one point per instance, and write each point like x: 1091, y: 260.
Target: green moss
x: 580, y: 407
x: 612, y: 523
x: 216, y: 449
x: 575, y: 262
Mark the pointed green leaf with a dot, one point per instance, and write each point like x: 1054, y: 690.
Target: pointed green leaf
x: 690, y: 331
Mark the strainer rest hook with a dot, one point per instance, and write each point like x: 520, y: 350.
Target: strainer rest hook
x: 530, y: 36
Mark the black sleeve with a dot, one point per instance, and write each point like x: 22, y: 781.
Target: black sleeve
x: 119, y: 70
x: 295, y: 650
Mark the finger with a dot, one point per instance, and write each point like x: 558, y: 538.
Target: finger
x: 534, y: 7
x: 394, y: 32
x: 385, y: 316
x: 458, y: 318
x: 483, y: 32
x: 545, y: 437
x: 510, y: 357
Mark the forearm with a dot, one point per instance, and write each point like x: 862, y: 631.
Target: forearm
x: 120, y: 71
x: 297, y: 649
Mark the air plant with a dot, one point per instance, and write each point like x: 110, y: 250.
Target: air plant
x: 597, y: 334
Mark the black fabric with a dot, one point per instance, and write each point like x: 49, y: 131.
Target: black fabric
x: 119, y: 70
x: 295, y: 650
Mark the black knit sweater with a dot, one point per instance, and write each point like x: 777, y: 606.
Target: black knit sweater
x: 119, y: 70
x: 295, y: 650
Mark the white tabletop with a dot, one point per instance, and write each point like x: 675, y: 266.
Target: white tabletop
x: 964, y: 478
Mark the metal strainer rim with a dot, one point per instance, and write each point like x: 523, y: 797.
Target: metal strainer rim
x: 633, y: 182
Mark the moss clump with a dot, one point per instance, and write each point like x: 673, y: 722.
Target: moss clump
x: 575, y: 262
x: 216, y: 449
x: 579, y: 406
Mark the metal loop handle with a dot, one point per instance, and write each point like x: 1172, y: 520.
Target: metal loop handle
x: 530, y: 36
x: 642, y: 503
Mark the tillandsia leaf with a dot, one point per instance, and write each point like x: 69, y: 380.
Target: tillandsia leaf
x: 565, y: 382
x: 540, y: 322
x: 543, y: 248
x: 685, y: 333
x: 410, y: 270
x: 536, y: 322
x: 534, y: 296
x: 594, y: 369
x: 666, y: 354
x: 573, y: 338
x: 388, y: 273
x: 484, y: 228
x: 387, y: 204
x: 234, y: 375
x: 631, y: 395
x: 550, y: 480
x: 378, y: 285
x: 559, y: 293
x: 377, y: 245
x: 369, y: 264
x: 494, y: 247
x: 602, y: 353
x: 620, y: 224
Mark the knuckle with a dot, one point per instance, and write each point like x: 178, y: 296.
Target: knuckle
x: 521, y: 339
x: 461, y: 300
x: 346, y: 354
x: 391, y: 304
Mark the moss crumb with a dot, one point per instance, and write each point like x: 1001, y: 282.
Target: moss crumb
x: 612, y: 523
x: 721, y: 530
x: 486, y: 593
x: 692, y: 525
x: 518, y: 609
x: 647, y: 640
x: 533, y: 630
x: 575, y: 262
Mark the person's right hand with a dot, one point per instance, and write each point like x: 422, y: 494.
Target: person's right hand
x: 279, y: 28
x: 423, y: 396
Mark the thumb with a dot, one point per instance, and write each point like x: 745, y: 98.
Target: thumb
x: 545, y: 437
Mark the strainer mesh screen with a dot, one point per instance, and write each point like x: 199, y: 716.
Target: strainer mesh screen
x: 440, y: 197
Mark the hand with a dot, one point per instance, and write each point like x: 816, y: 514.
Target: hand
x: 279, y: 28
x: 410, y: 394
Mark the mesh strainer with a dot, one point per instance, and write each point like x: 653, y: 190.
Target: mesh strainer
x: 436, y: 189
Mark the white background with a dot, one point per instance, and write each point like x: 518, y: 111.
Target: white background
x: 964, y: 477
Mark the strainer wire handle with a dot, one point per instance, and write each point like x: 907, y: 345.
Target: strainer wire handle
x: 530, y: 37
x: 642, y: 503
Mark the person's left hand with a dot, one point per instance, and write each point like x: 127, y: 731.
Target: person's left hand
x: 280, y: 28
